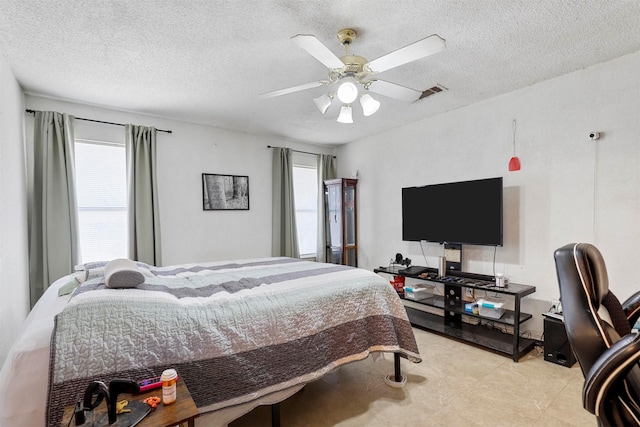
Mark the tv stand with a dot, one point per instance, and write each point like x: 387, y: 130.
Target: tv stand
x: 445, y: 313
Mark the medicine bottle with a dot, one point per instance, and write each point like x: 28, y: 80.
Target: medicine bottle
x: 169, y: 380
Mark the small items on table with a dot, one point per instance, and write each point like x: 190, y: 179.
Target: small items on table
x: 182, y: 411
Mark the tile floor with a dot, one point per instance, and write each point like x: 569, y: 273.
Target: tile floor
x: 455, y: 385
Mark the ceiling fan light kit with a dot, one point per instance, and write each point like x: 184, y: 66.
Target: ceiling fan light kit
x: 347, y: 91
x: 352, y: 71
x: 369, y: 105
x: 346, y: 114
x: 323, y: 102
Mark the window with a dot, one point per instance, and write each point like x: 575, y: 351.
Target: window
x: 101, y: 186
x: 305, y: 189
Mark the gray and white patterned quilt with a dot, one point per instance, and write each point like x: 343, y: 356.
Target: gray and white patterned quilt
x: 235, y: 331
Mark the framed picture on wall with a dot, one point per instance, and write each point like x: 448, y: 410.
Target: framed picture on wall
x: 225, y: 192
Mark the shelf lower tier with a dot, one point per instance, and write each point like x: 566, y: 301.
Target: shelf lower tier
x: 508, y: 318
x: 476, y: 335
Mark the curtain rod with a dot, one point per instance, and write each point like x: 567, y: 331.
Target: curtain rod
x: 99, y: 121
x: 297, y: 151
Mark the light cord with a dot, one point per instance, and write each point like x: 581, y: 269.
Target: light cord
x: 495, y: 248
x: 423, y: 255
x: 595, y: 195
x: 514, y: 137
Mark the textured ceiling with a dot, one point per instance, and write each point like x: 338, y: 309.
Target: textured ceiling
x: 207, y: 61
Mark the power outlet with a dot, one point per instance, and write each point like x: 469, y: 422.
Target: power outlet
x: 555, y: 306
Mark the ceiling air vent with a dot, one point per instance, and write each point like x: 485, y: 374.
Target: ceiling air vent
x: 432, y: 91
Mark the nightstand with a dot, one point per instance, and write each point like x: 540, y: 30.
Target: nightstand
x: 183, y: 411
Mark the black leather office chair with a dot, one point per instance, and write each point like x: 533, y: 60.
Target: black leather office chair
x: 599, y: 330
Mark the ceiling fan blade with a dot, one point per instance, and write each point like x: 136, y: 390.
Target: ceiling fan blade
x: 393, y: 90
x: 319, y: 51
x: 292, y: 89
x: 414, y: 51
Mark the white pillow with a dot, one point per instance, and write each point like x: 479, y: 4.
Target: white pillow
x: 122, y: 273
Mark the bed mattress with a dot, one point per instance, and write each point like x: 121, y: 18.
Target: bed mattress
x: 237, y: 332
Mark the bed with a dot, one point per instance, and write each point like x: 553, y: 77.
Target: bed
x: 240, y: 334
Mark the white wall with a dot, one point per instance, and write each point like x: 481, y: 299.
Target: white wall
x: 14, y: 264
x: 570, y: 188
x: 188, y: 233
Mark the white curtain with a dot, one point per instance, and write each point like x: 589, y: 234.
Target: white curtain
x: 327, y: 169
x: 284, y: 241
x: 143, y: 208
x: 54, y: 246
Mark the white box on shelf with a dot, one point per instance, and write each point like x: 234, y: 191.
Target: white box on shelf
x: 491, y: 307
x: 418, y: 292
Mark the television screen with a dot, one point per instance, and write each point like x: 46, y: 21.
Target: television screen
x: 467, y: 212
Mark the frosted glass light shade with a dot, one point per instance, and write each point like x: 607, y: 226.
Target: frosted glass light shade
x: 346, y: 115
x: 369, y: 105
x: 323, y: 103
x: 347, y: 91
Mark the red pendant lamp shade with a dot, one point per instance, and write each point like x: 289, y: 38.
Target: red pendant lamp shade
x: 514, y: 163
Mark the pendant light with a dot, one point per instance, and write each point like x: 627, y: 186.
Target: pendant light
x: 514, y: 163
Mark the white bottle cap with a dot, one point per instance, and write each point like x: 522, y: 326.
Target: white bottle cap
x: 168, y: 375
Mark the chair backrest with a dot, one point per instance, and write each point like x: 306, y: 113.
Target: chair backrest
x: 584, y: 287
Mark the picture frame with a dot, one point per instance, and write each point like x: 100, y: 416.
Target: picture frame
x: 225, y: 192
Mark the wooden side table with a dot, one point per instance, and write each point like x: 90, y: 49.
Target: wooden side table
x: 182, y: 411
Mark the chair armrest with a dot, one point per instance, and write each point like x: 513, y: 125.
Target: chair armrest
x: 606, y: 373
x: 631, y: 308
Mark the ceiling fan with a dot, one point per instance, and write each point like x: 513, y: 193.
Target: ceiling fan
x: 352, y: 71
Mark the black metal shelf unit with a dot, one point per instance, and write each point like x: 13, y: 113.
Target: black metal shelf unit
x: 455, y: 322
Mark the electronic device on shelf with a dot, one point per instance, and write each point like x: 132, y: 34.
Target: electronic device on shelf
x: 396, y: 264
x: 467, y: 212
x: 453, y: 256
x: 414, y: 270
x: 401, y: 260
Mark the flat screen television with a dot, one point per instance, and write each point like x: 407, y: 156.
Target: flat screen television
x: 466, y: 212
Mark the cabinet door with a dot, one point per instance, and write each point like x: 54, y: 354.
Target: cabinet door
x: 351, y: 257
x: 333, y: 195
x: 350, y: 215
